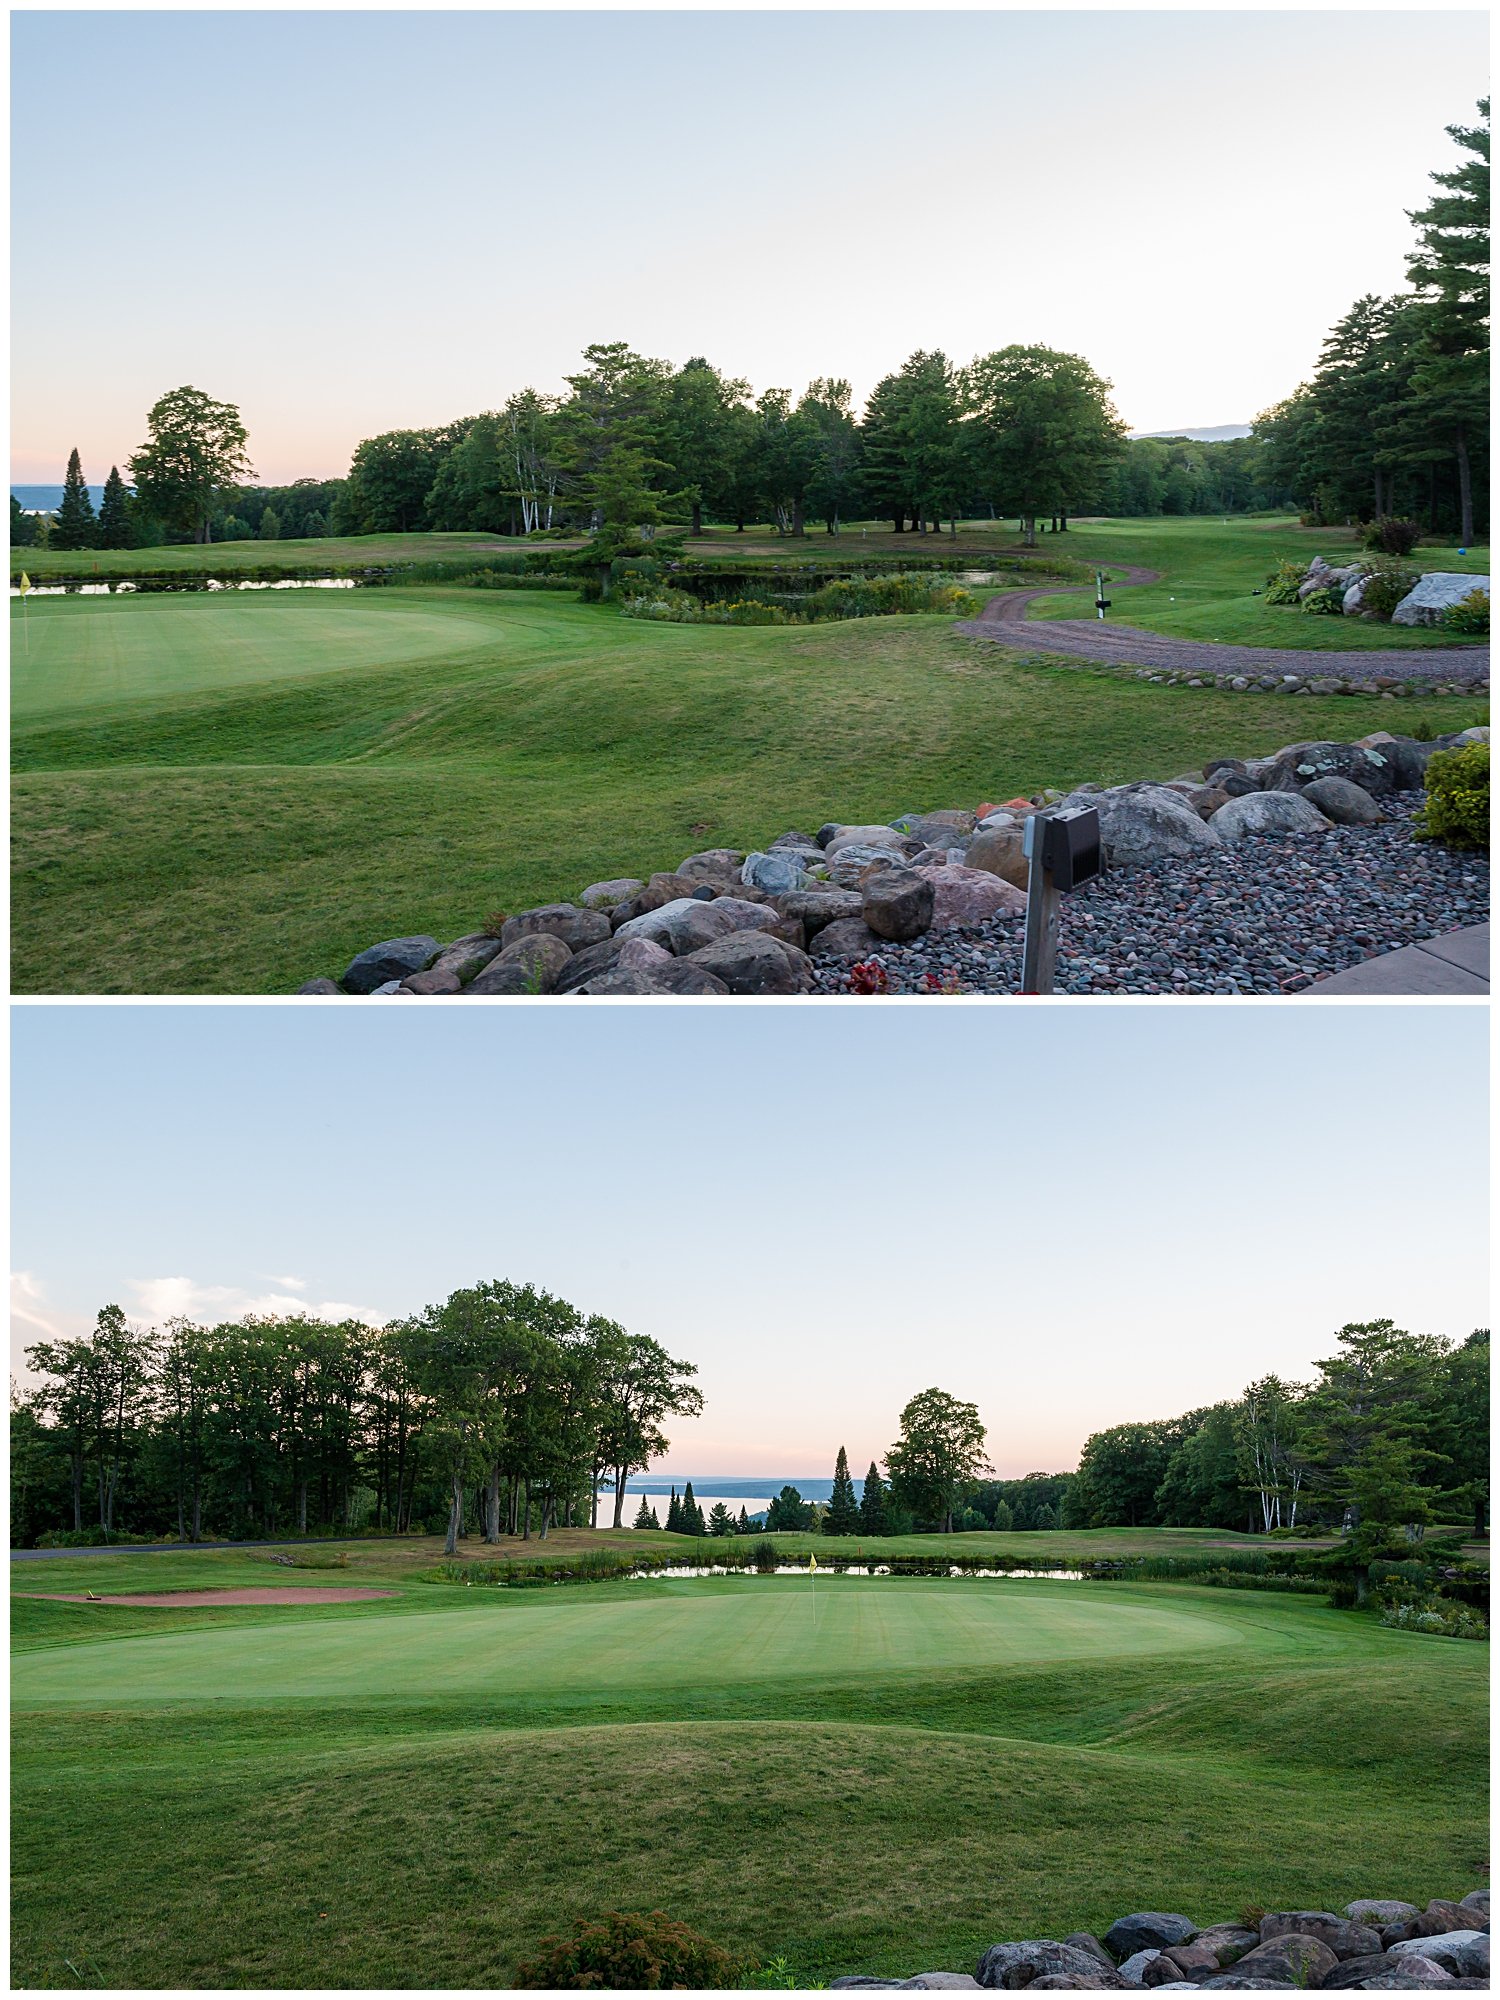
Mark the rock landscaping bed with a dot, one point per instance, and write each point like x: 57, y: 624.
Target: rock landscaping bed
x: 1246, y: 877
x: 1373, y: 1946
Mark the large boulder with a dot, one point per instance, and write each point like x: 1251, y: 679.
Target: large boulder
x: 1148, y: 1930
x: 575, y: 927
x: 1342, y: 801
x: 1151, y: 1967
x: 719, y: 865
x: 1086, y: 1941
x: 963, y: 895
x: 1405, y: 758
x: 685, y: 975
x: 1193, y: 1961
x: 396, y: 958
x: 320, y: 985
x: 1342, y: 1937
x: 1372, y: 1910
x: 1227, y: 1942
x: 846, y: 867
x: 658, y: 892
x: 936, y: 829
x: 1013, y: 1965
x: 618, y: 981
x: 1293, y: 1957
x: 846, y: 939
x: 1441, y: 1915
x: 815, y: 908
x: 590, y: 963
x: 776, y: 874
x: 898, y: 902
x: 1000, y: 850
x: 1433, y: 593
x: 1141, y: 824
x: 1267, y: 812
x: 888, y: 839
x: 1476, y: 1907
x: 606, y: 895
x: 533, y: 964
x: 1302, y: 762
x: 687, y: 925
x: 466, y: 956
x: 1459, y: 1952
x: 432, y: 981
x: 752, y: 962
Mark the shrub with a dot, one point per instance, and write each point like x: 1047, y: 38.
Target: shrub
x: 1284, y: 582
x: 1457, y: 811
x: 623, y: 1949
x: 1432, y: 1615
x: 1390, y: 535
x: 764, y: 1556
x: 1470, y: 617
x: 1324, y: 603
x: 1384, y: 586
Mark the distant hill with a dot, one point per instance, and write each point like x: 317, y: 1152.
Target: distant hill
x: 1208, y: 434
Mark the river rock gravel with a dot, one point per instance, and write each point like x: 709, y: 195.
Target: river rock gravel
x: 1268, y: 914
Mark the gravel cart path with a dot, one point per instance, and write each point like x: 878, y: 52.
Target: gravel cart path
x: 1004, y: 620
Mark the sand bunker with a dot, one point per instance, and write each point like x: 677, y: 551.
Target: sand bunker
x: 175, y: 1598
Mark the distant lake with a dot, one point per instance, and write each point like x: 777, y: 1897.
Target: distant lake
x: 754, y: 1495
x: 47, y: 499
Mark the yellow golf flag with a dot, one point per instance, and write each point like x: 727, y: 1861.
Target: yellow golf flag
x: 812, y: 1563
x: 25, y: 583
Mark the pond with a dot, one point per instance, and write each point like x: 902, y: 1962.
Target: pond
x: 124, y: 587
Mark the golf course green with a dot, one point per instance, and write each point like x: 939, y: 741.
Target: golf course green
x: 857, y: 1774
x: 232, y: 793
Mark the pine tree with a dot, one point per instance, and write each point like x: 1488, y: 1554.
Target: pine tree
x: 742, y: 1525
x: 674, y: 1516
x: 842, y: 1516
x: 719, y: 1521
x: 693, y: 1522
x: 75, y: 527
x: 114, y: 513
x: 644, y: 1516
x: 872, y: 1503
x: 270, y: 526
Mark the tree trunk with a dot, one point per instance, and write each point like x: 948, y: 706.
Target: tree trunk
x: 799, y: 526
x: 898, y: 522
x: 492, y: 1507
x: 1028, y: 531
x: 1465, y: 491
x: 697, y: 527
x: 594, y: 1498
x: 1063, y: 521
x: 455, y: 1517
x: 620, y: 1478
x: 526, y: 1516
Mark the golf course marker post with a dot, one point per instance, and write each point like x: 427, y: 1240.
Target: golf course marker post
x: 1101, y: 602
x: 1063, y: 849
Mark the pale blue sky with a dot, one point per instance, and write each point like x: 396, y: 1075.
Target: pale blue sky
x: 1070, y: 1221
x: 351, y: 222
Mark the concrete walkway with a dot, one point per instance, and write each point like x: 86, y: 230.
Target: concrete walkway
x: 1456, y: 964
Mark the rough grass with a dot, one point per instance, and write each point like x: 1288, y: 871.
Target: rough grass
x: 1209, y: 571
x: 460, y: 1776
x: 232, y: 794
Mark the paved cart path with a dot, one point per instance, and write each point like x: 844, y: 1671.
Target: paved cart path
x: 1004, y: 620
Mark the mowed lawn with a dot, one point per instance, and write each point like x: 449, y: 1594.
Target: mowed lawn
x: 876, y: 1775
x: 230, y: 794
x: 1210, y: 571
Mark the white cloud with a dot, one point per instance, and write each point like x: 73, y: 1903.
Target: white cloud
x: 291, y: 1284
x: 173, y: 1298
x: 27, y: 1296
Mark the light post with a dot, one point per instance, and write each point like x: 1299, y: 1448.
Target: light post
x: 1064, y: 851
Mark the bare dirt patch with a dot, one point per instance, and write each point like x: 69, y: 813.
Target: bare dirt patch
x: 174, y: 1599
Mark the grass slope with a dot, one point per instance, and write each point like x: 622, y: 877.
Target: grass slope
x: 410, y: 1794
x: 230, y: 794
x: 1210, y: 569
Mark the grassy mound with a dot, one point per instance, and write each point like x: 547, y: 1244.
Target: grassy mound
x: 886, y: 1778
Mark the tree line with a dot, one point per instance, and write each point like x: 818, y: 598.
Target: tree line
x: 1392, y: 1431
x: 503, y: 1409
x: 1396, y: 420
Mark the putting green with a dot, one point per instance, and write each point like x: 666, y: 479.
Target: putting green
x: 99, y: 652
x: 684, y: 1634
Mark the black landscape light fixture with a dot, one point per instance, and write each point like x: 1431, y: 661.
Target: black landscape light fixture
x: 1065, y: 851
x: 1101, y: 602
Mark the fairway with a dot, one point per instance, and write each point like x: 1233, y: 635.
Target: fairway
x: 702, y: 1630
x: 884, y: 1776
x: 232, y: 794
